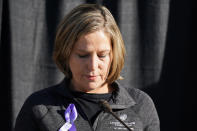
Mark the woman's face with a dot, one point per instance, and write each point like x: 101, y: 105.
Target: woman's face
x: 90, y: 62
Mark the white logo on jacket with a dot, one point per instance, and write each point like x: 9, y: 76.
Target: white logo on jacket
x: 118, y: 126
x: 123, y: 117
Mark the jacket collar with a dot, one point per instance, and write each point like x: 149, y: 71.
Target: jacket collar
x: 121, y: 98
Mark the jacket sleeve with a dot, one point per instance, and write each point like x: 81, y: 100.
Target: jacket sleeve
x: 25, y: 120
x: 146, y: 110
x: 153, y: 123
x: 149, y: 112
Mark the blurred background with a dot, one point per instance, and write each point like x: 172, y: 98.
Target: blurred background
x: 158, y: 36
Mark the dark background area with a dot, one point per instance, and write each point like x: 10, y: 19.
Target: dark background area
x: 173, y: 93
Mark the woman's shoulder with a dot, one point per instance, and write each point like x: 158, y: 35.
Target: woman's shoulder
x: 139, y: 96
x: 42, y: 96
x: 144, y: 106
x: 40, y: 102
x: 143, y: 101
x: 136, y: 94
x: 42, y: 105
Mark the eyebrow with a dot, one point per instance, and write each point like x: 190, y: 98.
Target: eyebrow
x: 85, y: 51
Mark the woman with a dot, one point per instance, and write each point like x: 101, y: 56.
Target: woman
x: 90, y: 51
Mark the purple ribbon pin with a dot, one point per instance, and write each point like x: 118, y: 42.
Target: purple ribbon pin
x: 70, y: 116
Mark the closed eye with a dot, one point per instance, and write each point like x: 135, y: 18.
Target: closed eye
x: 83, y: 56
x: 102, y: 56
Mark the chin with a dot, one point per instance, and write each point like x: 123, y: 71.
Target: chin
x: 93, y: 85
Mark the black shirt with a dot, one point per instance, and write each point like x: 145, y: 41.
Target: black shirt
x: 89, y: 103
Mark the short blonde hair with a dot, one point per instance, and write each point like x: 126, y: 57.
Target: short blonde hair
x: 81, y: 20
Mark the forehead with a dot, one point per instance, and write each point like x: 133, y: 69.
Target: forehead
x: 98, y: 40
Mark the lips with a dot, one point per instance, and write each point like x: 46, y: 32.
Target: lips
x: 91, y: 77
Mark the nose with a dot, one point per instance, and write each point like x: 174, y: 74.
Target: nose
x: 93, y: 62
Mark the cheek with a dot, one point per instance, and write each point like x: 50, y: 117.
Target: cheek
x: 75, y: 65
x: 106, y: 66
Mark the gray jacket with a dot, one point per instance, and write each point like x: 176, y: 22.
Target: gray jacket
x: 44, y: 111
